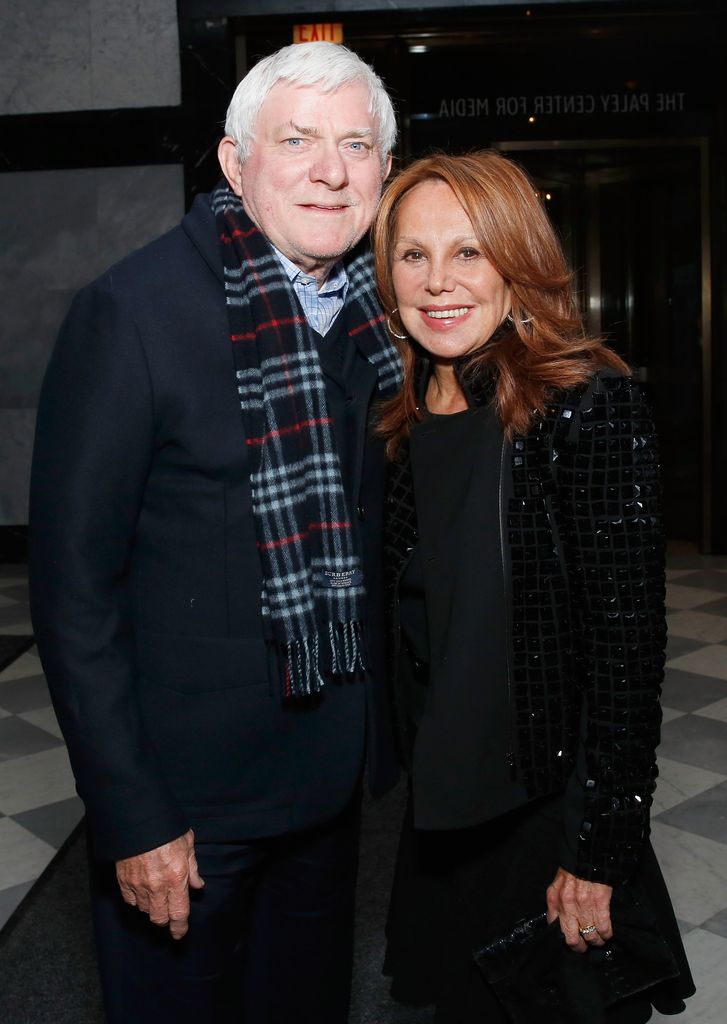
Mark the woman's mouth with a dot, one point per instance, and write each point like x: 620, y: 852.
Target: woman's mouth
x: 446, y: 314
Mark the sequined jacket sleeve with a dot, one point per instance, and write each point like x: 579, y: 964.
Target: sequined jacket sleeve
x: 609, y: 497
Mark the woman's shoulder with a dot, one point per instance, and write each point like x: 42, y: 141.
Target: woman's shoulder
x: 604, y: 385
x: 605, y: 396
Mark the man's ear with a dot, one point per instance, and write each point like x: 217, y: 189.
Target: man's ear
x: 230, y: 163
x: 387, y: 168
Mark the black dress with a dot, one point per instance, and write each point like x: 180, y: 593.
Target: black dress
x: 456, y: 887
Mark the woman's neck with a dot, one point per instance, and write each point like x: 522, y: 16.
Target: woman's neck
x: 444, y: 394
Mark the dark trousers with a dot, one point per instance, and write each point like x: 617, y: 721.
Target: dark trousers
x: 270, y: 939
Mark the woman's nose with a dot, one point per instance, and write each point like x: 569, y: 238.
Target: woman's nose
x: 440, y: 277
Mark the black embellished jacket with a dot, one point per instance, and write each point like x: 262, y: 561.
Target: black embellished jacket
x: 583, y: 549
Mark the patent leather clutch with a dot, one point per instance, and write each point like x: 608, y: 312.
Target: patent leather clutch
x: 537, y: 977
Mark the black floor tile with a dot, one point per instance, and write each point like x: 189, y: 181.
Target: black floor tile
x: 52, y: 823
x: 707, y: 579
x: 684, y: 691
x: 678, y: 645
x: 717, y: 924
x: 19, y: 738
x: 695, y: 740
x: 704, y: 814
x: 718, y: 607
x: 14, y: 614
x: 25, y: 694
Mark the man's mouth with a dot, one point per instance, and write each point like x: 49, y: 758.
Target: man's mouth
x: 325, y: 208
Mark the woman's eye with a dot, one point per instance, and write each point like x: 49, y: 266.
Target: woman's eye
x: 468, y: 253
x: 413, y: 256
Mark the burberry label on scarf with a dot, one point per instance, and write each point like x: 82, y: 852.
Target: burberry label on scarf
x: 347, y: 578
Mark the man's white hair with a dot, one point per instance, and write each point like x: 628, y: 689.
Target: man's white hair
x: 327, y: 65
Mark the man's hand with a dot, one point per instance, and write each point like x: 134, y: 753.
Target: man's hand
x: 580, y: 905
x: 157, y: 882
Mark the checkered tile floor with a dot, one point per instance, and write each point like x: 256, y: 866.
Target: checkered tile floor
x: 38, y: 803
x: 39, y: 808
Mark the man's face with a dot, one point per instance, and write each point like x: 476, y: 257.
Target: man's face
x: 314, y: 174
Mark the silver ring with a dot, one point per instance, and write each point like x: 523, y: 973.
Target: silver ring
x: 588, y: 931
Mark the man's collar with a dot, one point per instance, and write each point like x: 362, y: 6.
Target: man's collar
x: 335, y: 280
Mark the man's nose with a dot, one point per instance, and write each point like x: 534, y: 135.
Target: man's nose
x: 329, y: 167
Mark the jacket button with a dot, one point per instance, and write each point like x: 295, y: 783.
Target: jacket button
x: 361, y: 511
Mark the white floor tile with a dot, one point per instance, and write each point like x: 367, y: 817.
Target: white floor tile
x: 27, y: 664
x: 707, y: 955
x: 698, y: 625
x: 669, y: 714
x: 689, y: 597
x: 706, y: 661
x: 44, y: 778
x: 695, y: 869
x: 678, y: 782
x: 22, y: 855
x: 717, y: 710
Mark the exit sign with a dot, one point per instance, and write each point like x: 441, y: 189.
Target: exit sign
x: 323, y: 32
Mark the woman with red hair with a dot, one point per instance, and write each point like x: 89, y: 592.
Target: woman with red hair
x: 526, y: 586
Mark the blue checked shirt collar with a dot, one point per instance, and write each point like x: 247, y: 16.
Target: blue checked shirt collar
x: 320, y: 305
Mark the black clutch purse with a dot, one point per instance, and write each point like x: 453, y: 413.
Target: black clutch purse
x: 537, y: 977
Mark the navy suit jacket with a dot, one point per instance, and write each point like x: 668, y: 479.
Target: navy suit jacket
x: 145, y: 578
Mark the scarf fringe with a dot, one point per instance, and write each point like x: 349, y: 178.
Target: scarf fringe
x: 302, y: 662
x: 302, y: 672
x: 346, y: 642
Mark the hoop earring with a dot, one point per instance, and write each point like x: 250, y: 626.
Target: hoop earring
x: 509, y: 320
x: 392, y: 332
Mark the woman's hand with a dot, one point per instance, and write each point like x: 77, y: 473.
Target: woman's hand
x: 580, y: 905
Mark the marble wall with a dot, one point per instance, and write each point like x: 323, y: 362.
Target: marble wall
x: 59, y: 55
x: 60, y: 229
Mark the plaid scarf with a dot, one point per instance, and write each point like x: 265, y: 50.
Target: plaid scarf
x: 313, y: 585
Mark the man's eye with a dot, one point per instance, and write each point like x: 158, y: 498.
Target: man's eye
x: 358, y: 147
x: 294, y: 143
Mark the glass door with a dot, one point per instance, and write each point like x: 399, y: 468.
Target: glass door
x: 630, y: 219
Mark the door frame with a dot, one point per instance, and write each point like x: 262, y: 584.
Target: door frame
x: 701, y: 144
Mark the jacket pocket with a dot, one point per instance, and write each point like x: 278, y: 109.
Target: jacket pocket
x: 198, y: 664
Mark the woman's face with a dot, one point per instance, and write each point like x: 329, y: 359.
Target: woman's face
x: 450, y: 297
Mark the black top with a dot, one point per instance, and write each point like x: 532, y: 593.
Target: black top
x: 461, y: 770
x: 584, y: 570
x: 412, y: 608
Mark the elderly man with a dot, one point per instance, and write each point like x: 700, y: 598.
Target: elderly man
x: 205, y: 541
